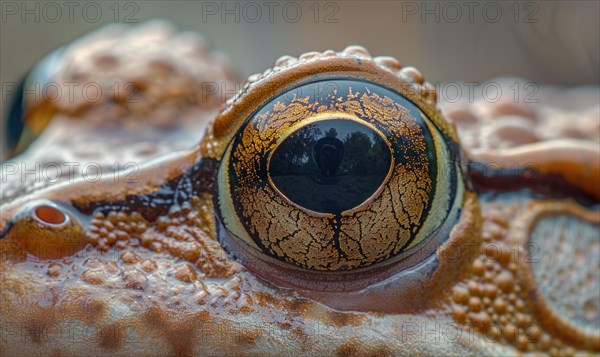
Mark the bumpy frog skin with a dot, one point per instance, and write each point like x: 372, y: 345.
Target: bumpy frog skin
x: 185, y: 255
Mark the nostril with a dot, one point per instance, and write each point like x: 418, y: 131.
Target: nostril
x: 50, y: 215
x: 45, y: 230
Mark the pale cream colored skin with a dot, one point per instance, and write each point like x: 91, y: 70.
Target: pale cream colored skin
x: 174, y: 291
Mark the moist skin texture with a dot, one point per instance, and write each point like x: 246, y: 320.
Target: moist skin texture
x: 518, y: 274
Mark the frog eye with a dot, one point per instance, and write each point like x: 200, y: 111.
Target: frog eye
x: 45, y: 230
x: 29, y: 115
x: 336, y: 173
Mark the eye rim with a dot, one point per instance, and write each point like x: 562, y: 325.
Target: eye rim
x: 325, y: 117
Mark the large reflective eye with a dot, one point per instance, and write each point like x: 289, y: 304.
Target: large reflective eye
x: 336, y: 175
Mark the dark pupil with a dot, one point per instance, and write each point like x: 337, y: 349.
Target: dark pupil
x: 330, y: 166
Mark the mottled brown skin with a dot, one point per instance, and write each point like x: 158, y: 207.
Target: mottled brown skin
x: 145, y: 285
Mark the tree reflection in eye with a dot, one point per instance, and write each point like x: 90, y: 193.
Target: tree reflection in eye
x: 330, y: 166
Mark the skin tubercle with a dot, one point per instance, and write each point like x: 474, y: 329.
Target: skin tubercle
x: 156, y: 277
x: 487, y: 299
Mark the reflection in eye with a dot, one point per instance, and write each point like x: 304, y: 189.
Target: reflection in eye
x: 330, y: 166
x: 346, y: 176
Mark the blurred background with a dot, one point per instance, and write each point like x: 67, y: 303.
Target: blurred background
x: 547, y: 42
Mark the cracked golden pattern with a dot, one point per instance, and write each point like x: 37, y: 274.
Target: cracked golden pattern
x: 165, y: 285
x: 385, y: 223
